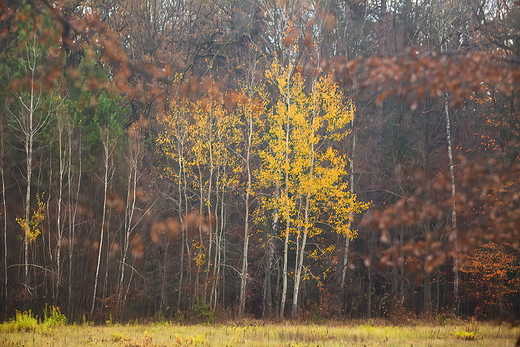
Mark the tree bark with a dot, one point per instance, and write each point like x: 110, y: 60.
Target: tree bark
x: 106, y: 178
x: 73, y: 213
x: 268, y: 288
x: 245, y: 249
x: 300, y: 254
x: 454, y: 233
x: 4, y: 208
x: 347, y: 237
x: 59, y: 217
x: 131, y: 197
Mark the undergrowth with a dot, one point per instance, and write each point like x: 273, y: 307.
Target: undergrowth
x: 27, y: 321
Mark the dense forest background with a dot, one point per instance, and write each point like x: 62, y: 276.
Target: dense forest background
x: 186, y: 159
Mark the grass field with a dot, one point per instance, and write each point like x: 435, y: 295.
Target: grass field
x: 290, y: 334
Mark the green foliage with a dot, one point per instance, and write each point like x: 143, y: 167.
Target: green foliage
x: 53, y: 318
x: 199, y: 340
x: 102, y: 113
x: 203, y: 313
x: 465, y: 335
x: 315, y: 314
x: 23, y: 321
x: 441, y: 319
x: 159, y: 318
x: 32, y: 73
x: 27, y: 321
x: 85, y: 322
x: 110, y: 320
x: 34, y: 48
x: 119, y: 337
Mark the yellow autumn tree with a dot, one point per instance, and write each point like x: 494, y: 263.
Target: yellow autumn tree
x: 200, y: 137
x: 250, y: 108
x: 305, y: 177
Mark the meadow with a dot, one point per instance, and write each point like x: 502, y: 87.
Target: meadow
x: 256, y: 333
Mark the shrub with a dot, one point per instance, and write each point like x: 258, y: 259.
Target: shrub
x: 52, y: 317
x: 23, y: 321
x: 26, y: 321
x: 204, y: 314
x: 465, y: 335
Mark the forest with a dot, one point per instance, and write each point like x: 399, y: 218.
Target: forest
x: 193, y: 160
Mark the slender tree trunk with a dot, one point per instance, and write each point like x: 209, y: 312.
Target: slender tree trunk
x: 201, y: 238
x: 129, y: 212
x: 164, y: 281
x: 287, y: 233
x: 222, y: 244
x: 245, y: 249
x: 347, y: 237
x: 267, y: 288
x: 109, y: 244
x: 284, y: 269
x: 73, y: 212
x: 427, y: 295
x: 437, y: 293
x: 48, y: 239
x: 208, y: 207
x: 59, y: 217
x: 300, y: 254
x: 103, y: 220
x: 186, y: 244
x: 29, y: 140
x: 369, y: 287
x: 287, y: 222
x: 454, y: 236
x: 219, y: 219
x: 300, y: 251
x: 4, y: 208
x: 401, y: 265
x: 182, y: 210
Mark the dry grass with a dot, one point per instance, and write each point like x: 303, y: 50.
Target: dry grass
x: 253, y: 334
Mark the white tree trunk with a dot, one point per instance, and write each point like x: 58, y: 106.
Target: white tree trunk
x: 454, y: 236
x: 300, y: 254
x: 351, y: 188
x: 59, y: 218
x: 181, y: 211
x: 245, y: 249
x: 131, y: 196
x: 29, y: 140
x: 107, y: 155
x: 73, y: 211
x: 4, y: 207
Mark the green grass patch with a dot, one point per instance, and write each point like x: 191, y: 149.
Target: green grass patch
x: 260, y: 334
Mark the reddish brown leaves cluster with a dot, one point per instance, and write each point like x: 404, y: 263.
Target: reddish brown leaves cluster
x: 488, y: 208
x: 416, y: 74
x: 89, y: 34
x: 491, y: 272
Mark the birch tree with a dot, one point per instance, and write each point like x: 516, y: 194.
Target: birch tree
x: 310, y: 173
x: 251, y: 107
x: 3, y: 213
x: 454, y: 234
x: 32, y: 102
x: 109, y: 134
x: 134, y: 159
x: 173, y: 141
